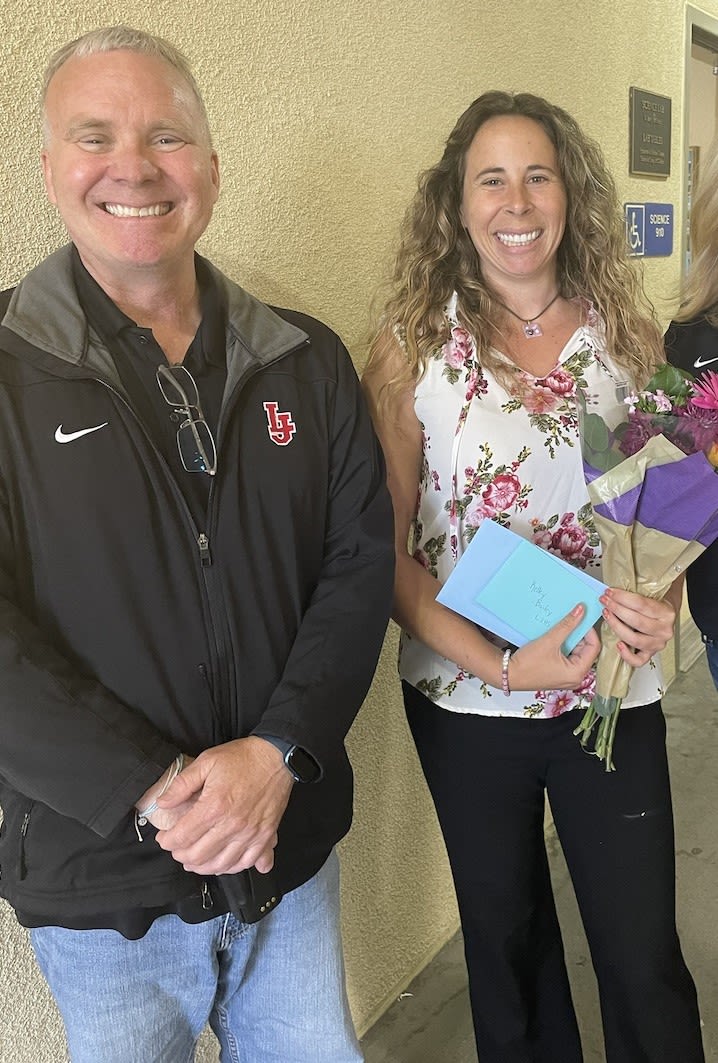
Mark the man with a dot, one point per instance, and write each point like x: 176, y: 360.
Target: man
x: 195, y: 578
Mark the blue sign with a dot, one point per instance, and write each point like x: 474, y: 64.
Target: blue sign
x: 636, y: 228
x: 649, y: 229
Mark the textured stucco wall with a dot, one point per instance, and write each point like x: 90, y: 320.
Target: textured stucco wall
x: 323, y: 113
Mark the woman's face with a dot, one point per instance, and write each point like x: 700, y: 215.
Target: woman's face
x: 514, y: 201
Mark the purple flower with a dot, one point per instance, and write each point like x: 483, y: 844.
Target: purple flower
x: 641, y: 427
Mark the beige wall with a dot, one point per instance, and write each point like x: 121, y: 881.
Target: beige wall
x: 324, y: 112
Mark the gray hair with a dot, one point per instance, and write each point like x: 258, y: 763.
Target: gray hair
x: 126, y: 39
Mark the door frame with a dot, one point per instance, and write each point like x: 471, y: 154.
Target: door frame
x: 701, y: 20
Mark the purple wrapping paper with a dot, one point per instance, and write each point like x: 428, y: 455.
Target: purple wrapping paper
x: 679, y: 498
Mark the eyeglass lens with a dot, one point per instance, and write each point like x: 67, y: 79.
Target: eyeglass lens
x: 195, y: 442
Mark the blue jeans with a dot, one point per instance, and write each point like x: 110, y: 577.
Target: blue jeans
x: 712, y: 657
x: 272, y: 991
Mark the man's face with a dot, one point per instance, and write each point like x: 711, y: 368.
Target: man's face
x: 128, y: 163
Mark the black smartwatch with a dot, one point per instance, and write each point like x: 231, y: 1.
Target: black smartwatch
x: 302, y: 766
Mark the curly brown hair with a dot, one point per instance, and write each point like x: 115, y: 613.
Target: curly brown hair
x: 436, y: 256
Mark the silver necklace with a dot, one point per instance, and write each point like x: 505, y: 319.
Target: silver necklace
x: 530, y: 325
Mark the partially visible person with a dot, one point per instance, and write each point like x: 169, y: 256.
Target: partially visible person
x: 692, y: 344
x: 512, y: 293
x: 196, y: 556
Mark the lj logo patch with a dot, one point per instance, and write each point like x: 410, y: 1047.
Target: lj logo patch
x: 280, y: 426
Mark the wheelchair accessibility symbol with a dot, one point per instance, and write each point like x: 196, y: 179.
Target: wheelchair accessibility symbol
x: 636, y: 228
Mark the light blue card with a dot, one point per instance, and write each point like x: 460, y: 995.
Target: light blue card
x: 517, y: 590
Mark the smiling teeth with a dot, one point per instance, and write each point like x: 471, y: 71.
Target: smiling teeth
x: 516, y: 239
x: 120, y: 211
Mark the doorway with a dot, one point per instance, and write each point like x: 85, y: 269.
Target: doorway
x: 701, y: 107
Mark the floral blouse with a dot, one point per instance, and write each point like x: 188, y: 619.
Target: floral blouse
x: 513, y: 457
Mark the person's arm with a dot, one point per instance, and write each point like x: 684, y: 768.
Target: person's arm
x: 539, y: 664
x: 66, y: 740
x: 244, y: 785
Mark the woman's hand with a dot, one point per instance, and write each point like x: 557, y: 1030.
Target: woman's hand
x: 643, y: 625
x: 541, y: 665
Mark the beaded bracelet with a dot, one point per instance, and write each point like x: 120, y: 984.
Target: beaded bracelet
x: 505, y: 671
x: 142, y: 814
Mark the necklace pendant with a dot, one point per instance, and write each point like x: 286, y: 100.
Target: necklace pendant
x: 531, y: 329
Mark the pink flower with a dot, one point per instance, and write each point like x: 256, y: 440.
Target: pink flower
x: 569, y: 541
x: 558, y: 701
x: 471, y: 384
x: 458, y: 348
x: 587, y: 687
x: 543, y: 539
x: 501, y: 493
x: 662, y: 402
x: 560, y: 382
x: 705, y: 391
x: 539, y: 400
x: 475, y: 513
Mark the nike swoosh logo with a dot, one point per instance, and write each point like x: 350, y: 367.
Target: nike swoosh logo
x: 67, y: 437
x: 700, y: 362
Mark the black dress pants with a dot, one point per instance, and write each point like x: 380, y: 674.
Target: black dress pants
x: 488, y: 777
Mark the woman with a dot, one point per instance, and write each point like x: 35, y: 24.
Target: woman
x: 512, y: 291
x: 692, y: 344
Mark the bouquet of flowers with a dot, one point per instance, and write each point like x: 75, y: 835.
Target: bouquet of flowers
x: 650, y: 468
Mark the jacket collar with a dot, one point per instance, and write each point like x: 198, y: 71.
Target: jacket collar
x: 44, y: 311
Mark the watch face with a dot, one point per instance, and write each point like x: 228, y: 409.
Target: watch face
x: 303, y: 767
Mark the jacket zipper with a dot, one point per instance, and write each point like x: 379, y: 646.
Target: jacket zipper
x: 23, y: 833
x: 204, y: 555
x: 202, y: 539
x: 222, y: 640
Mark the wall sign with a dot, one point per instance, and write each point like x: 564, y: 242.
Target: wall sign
x: 650, y: 124
x: 649, y: 229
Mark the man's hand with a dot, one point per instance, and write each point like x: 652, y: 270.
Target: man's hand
x: 161, y: 818
x: 235, y: 796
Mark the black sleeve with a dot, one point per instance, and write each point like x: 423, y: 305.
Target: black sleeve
x: 692, y: 345
x: 337, y: 647
x: 64, y: 739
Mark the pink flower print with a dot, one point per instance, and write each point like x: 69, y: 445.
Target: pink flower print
x: 501, y: 493
x: 475, y: 513
x: 471, y: 384
x: 569, y: 540
x: 560, y: 382
x: 543, y: 539
x: 559, y: 701
x: 587, y: 687
x: 422, y: 558
x: 458, y: 348
x: 539, y: 399
x: 435, y: 480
